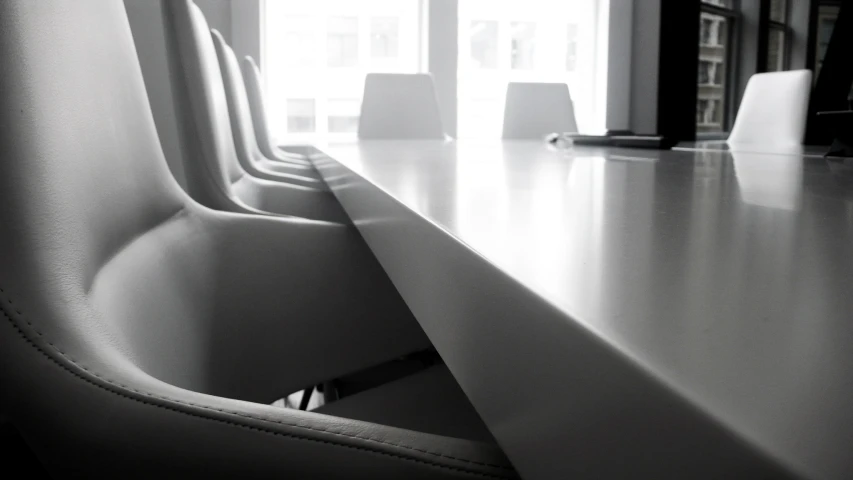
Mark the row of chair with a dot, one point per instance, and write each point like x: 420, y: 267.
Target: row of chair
x: 772, y: 112
x: 145, y: 331
x: 405, y: 106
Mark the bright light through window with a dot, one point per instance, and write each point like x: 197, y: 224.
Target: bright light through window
x: 318, y: 52
x: 528, y: 41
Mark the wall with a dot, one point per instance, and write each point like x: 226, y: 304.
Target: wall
x: 146, y: 23
x: 644, y: 59
x: 443, y: 67
x: 247, y: 29
x: 619, y: 64
x: 218, y: 15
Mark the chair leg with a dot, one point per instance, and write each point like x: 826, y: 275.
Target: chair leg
x: 306, y: 397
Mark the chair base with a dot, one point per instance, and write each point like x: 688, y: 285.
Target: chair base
x: 429, y: 401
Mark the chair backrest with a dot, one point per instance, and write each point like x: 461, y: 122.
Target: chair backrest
x: 400, y: 106
x: 774, y: 109
x: 238, y: 104
x: 81, y: 167
x: 257, y: 104
x: 84, y: 189
x: 533, y: 110
x: 206, y: 138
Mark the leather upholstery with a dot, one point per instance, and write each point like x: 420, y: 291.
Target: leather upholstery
x: 214, y: 176
x: 251, y: 159
x: 137, y: 326
x: 257, y: 104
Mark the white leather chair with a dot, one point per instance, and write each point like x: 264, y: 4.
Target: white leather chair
x: 258, y: 107
x: 248, y: 153
x: 214, y: 175
x: 773, y: 111
x: 400, y: 106
x: 142, y: 335
x: 534, y: 110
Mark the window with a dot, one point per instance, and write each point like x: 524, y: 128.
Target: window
x: 571, y: 47
x: 523, y: 45
x: 343, y: 115
x: 342, y: 44
x: 708, y: 32
x: 708, y: 112
x: 778, y: 11
x: 300, y: 115
x: 701, y: 108
x: 317, y: 54
x: 775, y: 50
x: 383, y: 37
x: 502, y: 41
x: 298, y: 33
x: 777, y: 36
x: 484, y: 44
x: 716, y: 24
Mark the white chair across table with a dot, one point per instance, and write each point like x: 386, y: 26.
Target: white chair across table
x: 400, y: 106
x: 773, y: 111
x: 534, y: 110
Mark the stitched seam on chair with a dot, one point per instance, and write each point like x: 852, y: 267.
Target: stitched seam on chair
x: 203, y: 407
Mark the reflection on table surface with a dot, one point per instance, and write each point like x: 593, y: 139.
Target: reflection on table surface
x: 728, y: 274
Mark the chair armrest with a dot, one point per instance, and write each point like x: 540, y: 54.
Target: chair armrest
x: 166, y: 431
x: 286, y: 199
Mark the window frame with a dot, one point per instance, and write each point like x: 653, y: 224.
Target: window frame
x: 770, y: 25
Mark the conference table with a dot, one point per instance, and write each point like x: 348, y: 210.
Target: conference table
x: 617, y: 313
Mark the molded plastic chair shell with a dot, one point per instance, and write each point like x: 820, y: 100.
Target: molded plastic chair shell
x: 534, y: 110
x: 774, y: 110
x: 400, y: 106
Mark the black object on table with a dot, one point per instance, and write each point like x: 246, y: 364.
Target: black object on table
x: 624, y: 139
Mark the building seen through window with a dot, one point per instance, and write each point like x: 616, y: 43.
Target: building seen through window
x: 298, y: 33
x: 384, y: 37
x: 501, y: 41
x: 301, y: 115
x: 715, y: 27
x: 523, y: 45
x: 484, y: 44
x: 777, y: 36
x: 319, y: 52
x: 342, y: 43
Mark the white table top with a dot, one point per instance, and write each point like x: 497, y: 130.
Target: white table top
x: 725, y: 278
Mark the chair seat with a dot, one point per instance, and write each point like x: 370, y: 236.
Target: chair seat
x: 429, y: 401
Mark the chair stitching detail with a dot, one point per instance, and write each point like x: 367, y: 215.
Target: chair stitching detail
x: 243, y: 415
